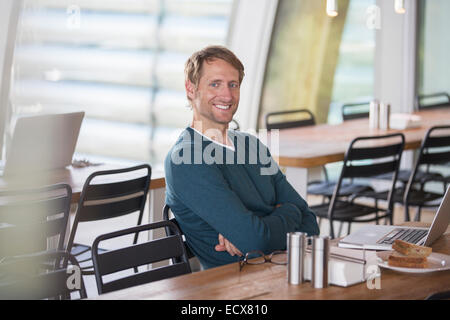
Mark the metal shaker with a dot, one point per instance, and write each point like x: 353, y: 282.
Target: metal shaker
x: 374, y: 114
x: 320, y: 257
x: 296, y: 248
x: 385, y: 114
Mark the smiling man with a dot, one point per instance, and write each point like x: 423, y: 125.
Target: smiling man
x: 224, y: 193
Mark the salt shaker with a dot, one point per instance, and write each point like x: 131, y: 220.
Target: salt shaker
x: 374, y: 114
x: 296, y: 247
x: 385, y: 112
x: 320, y: 257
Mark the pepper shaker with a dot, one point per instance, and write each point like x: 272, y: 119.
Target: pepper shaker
x: 385, y: 113
x: 320, y: 257
x: 296, y: 247
x: 374, y: 114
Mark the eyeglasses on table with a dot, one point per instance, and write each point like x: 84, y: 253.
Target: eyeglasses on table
x: 258, y: 257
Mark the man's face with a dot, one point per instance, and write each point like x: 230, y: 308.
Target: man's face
x: 216, y: 98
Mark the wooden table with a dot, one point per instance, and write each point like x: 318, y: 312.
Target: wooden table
x: 73, y: 176
x: 302, y: 149
x: 76, y: 177
x: 269, y: 281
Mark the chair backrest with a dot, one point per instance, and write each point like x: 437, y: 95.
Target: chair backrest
x: 352, y: 111
x: 41, y: 276
x: 372, y: 156
x: 306, y: 118
x: 169, y: 232
x: 443, y: 295
x: 152, y: 251
x: 435, y: 150
x: 112, y: 193
x: 433, y: 101
x: 34, y: 220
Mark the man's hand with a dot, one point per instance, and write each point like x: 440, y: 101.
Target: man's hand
x: 225, y: 245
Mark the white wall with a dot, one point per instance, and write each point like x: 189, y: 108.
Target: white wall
x: 395, y: 56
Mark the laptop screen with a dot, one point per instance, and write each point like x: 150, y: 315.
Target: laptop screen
x: 43, y: 142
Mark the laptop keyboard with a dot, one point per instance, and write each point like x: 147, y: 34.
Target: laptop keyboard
x: 408, y: 235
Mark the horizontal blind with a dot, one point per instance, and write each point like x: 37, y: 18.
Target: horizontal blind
x: 121, y: 61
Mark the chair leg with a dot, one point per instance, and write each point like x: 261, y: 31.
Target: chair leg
x: 349, y: 227
x: 331, y: 229
x: 418, y: 214
x: 340, y: 228
x: 376, y: 213
x: 407, y: 213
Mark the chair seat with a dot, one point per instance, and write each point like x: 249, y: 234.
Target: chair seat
x: 417, y: 197
x: 421, y: 176
x: 83, y: 254
x: 424, y: 199
x: 327, y: 188
x: 344, y: 211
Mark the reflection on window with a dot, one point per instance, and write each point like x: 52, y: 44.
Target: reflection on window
x: 121, y: 61
x: 354, y: 76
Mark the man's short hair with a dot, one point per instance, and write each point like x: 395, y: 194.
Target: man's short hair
x: 193, y: 66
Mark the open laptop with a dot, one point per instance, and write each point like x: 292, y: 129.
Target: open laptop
x: 376, y: 237
x: 42, y: 142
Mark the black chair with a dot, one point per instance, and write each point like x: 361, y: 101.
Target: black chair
x: 105, y: 195
x: 435, y: 150
x: 358, y: 110
x: 152, y: 251
x: 34, y: 220
x: 318, y: 187
x: 306, y: 118
x: 444, y: 295
x: 30, y: 277
x: 424, y: 176
x: 422, y: 104
x: 366, y: 157
x: 169, y: 232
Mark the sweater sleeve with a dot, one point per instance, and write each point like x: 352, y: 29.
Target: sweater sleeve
x: 204, y: 190
x: 286, y: 194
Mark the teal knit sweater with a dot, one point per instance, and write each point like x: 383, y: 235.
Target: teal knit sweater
x: 212, y: 189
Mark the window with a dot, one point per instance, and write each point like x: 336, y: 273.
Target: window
x: 354, y: 76
x: 121, y: 61
x: 317, y: 62
x: 434, y: 48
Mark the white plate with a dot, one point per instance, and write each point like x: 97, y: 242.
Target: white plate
x: 436, y: 262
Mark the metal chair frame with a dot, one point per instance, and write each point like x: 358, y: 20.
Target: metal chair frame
x: 141, y: 254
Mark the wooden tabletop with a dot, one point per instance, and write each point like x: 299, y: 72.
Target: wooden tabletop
x: 74, y: 176
x: 321, y: 144
x: 269, y: 281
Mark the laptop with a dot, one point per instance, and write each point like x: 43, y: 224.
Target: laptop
x: 376, y: 237
x: 42, y: 142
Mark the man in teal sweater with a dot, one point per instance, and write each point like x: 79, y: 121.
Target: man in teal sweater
x: 225, y: 190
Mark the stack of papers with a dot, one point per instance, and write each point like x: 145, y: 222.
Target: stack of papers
x: 402, y: 121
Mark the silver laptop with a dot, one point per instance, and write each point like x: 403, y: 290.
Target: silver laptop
x: 376, y: 237
x: 42, y: 142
